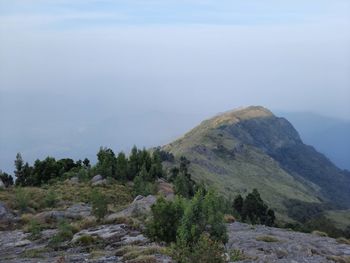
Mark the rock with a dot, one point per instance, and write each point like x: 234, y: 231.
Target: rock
x: 111, y: 233
x: 100, y: 182
x: 137, y: 240
x: 6, y: 217
x: 2, y: 185
x: 141, y: 205
x: 289, y: 246
x: 96, y: 178
x: 78, y: 211
x: 22, y: 243
x: 50, y: 216
x: 74, y: 180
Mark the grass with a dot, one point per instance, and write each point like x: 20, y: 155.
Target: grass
x: 343, y: 240
x: 137, y: 253
x: 238, y: 175
x: 269, y: 239
x: 339, y: 259
x: 36, y: 199
x: 34, y: 253
x: 319, y: 233
x: 237, y: 255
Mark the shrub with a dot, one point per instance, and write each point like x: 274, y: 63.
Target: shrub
x: 268, y: 239
x: 166, y: 216
x: 143, y: 187
x: 99, y: 204
x: 237, y: 255
x: 319, y: 233
x: 50, y: 199
x: 343, y: 240
x: 65, y: 233
x: 34, y: 228
x: 87, y: 240
x: 21, y: 199
x: 204, y: 251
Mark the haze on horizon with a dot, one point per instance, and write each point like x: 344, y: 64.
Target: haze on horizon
x: 75, y: 75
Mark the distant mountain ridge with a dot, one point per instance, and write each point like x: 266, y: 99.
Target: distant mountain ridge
x: 252, y: 148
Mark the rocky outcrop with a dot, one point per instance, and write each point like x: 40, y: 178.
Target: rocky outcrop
x: 267, y: 244
x: 76, y: 211
x: 6, y: 217
x: 140, y: 206
x: 2, y: 185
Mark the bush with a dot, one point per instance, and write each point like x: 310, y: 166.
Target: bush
x: 99, y: 204
x: 319, y: 233
x: 269, y: 239
x: 143, y: 187
x: 21, y: 199
x: 50, y: 199
x: 166, y: 216
x: 65, y: 233
x: 204, y: 251
x: 203, y: 214
x: 34, y: 228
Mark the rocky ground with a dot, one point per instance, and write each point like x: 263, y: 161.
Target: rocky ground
x: 119, y: 237
x: 267, y: 244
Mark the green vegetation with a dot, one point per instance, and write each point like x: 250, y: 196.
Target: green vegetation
x: 65, y: 233
x: 34, y: 228
x: 183, y: 222
x: 99, y: 204
x: 268, y: 239
x: 253, y: 209
x: 6, y: 179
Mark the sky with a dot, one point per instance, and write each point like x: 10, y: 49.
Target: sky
x: 75, y: 75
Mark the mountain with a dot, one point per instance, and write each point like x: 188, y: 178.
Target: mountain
x: 248, y: 148
x: 328, y: 135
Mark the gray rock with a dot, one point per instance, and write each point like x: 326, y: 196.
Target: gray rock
x: 289, y: 246
x: 78, y: 211
x: 2, y: 185
x: 112, y: 233
x: 6, y: 216
x: 100, y: 182
x: 74, y: 180
x: 96, y: 178
x: 50, y: 216
x: 140, y: 206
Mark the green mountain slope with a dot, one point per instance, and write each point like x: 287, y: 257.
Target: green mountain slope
x: 251, y: 148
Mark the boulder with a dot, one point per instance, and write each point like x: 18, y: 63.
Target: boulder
x: 78, y: 211
x: 49, y: 216
x: 111, y: 233
x: 100, y: 182
x: 96, y: 178
x: 6, y: 216
x: 74, y: 180
x: 2, y: 185
x: 140, y: 206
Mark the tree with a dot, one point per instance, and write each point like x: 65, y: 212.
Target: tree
x: 99, y: 204
x: 183, y: 186
x: 133, y: 164
x: 107, y: 162
x: 166, y: 217
x: 21, y: 179
x: 6, y: 179
x: 238, y: 204
x: 122, y: 167
x: 256, y: 211
x: 203, y: 214
x: 86, y: 163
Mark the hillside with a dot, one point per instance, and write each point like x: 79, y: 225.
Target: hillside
x: 252, y: 148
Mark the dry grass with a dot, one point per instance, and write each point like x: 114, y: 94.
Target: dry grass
x: 319, y: 233
x: 269, y: 239
x: 343, y: 240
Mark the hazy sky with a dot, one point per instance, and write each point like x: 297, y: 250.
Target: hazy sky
x: 72, y: 72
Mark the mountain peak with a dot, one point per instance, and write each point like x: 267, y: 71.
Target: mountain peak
x: 241, y: 113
